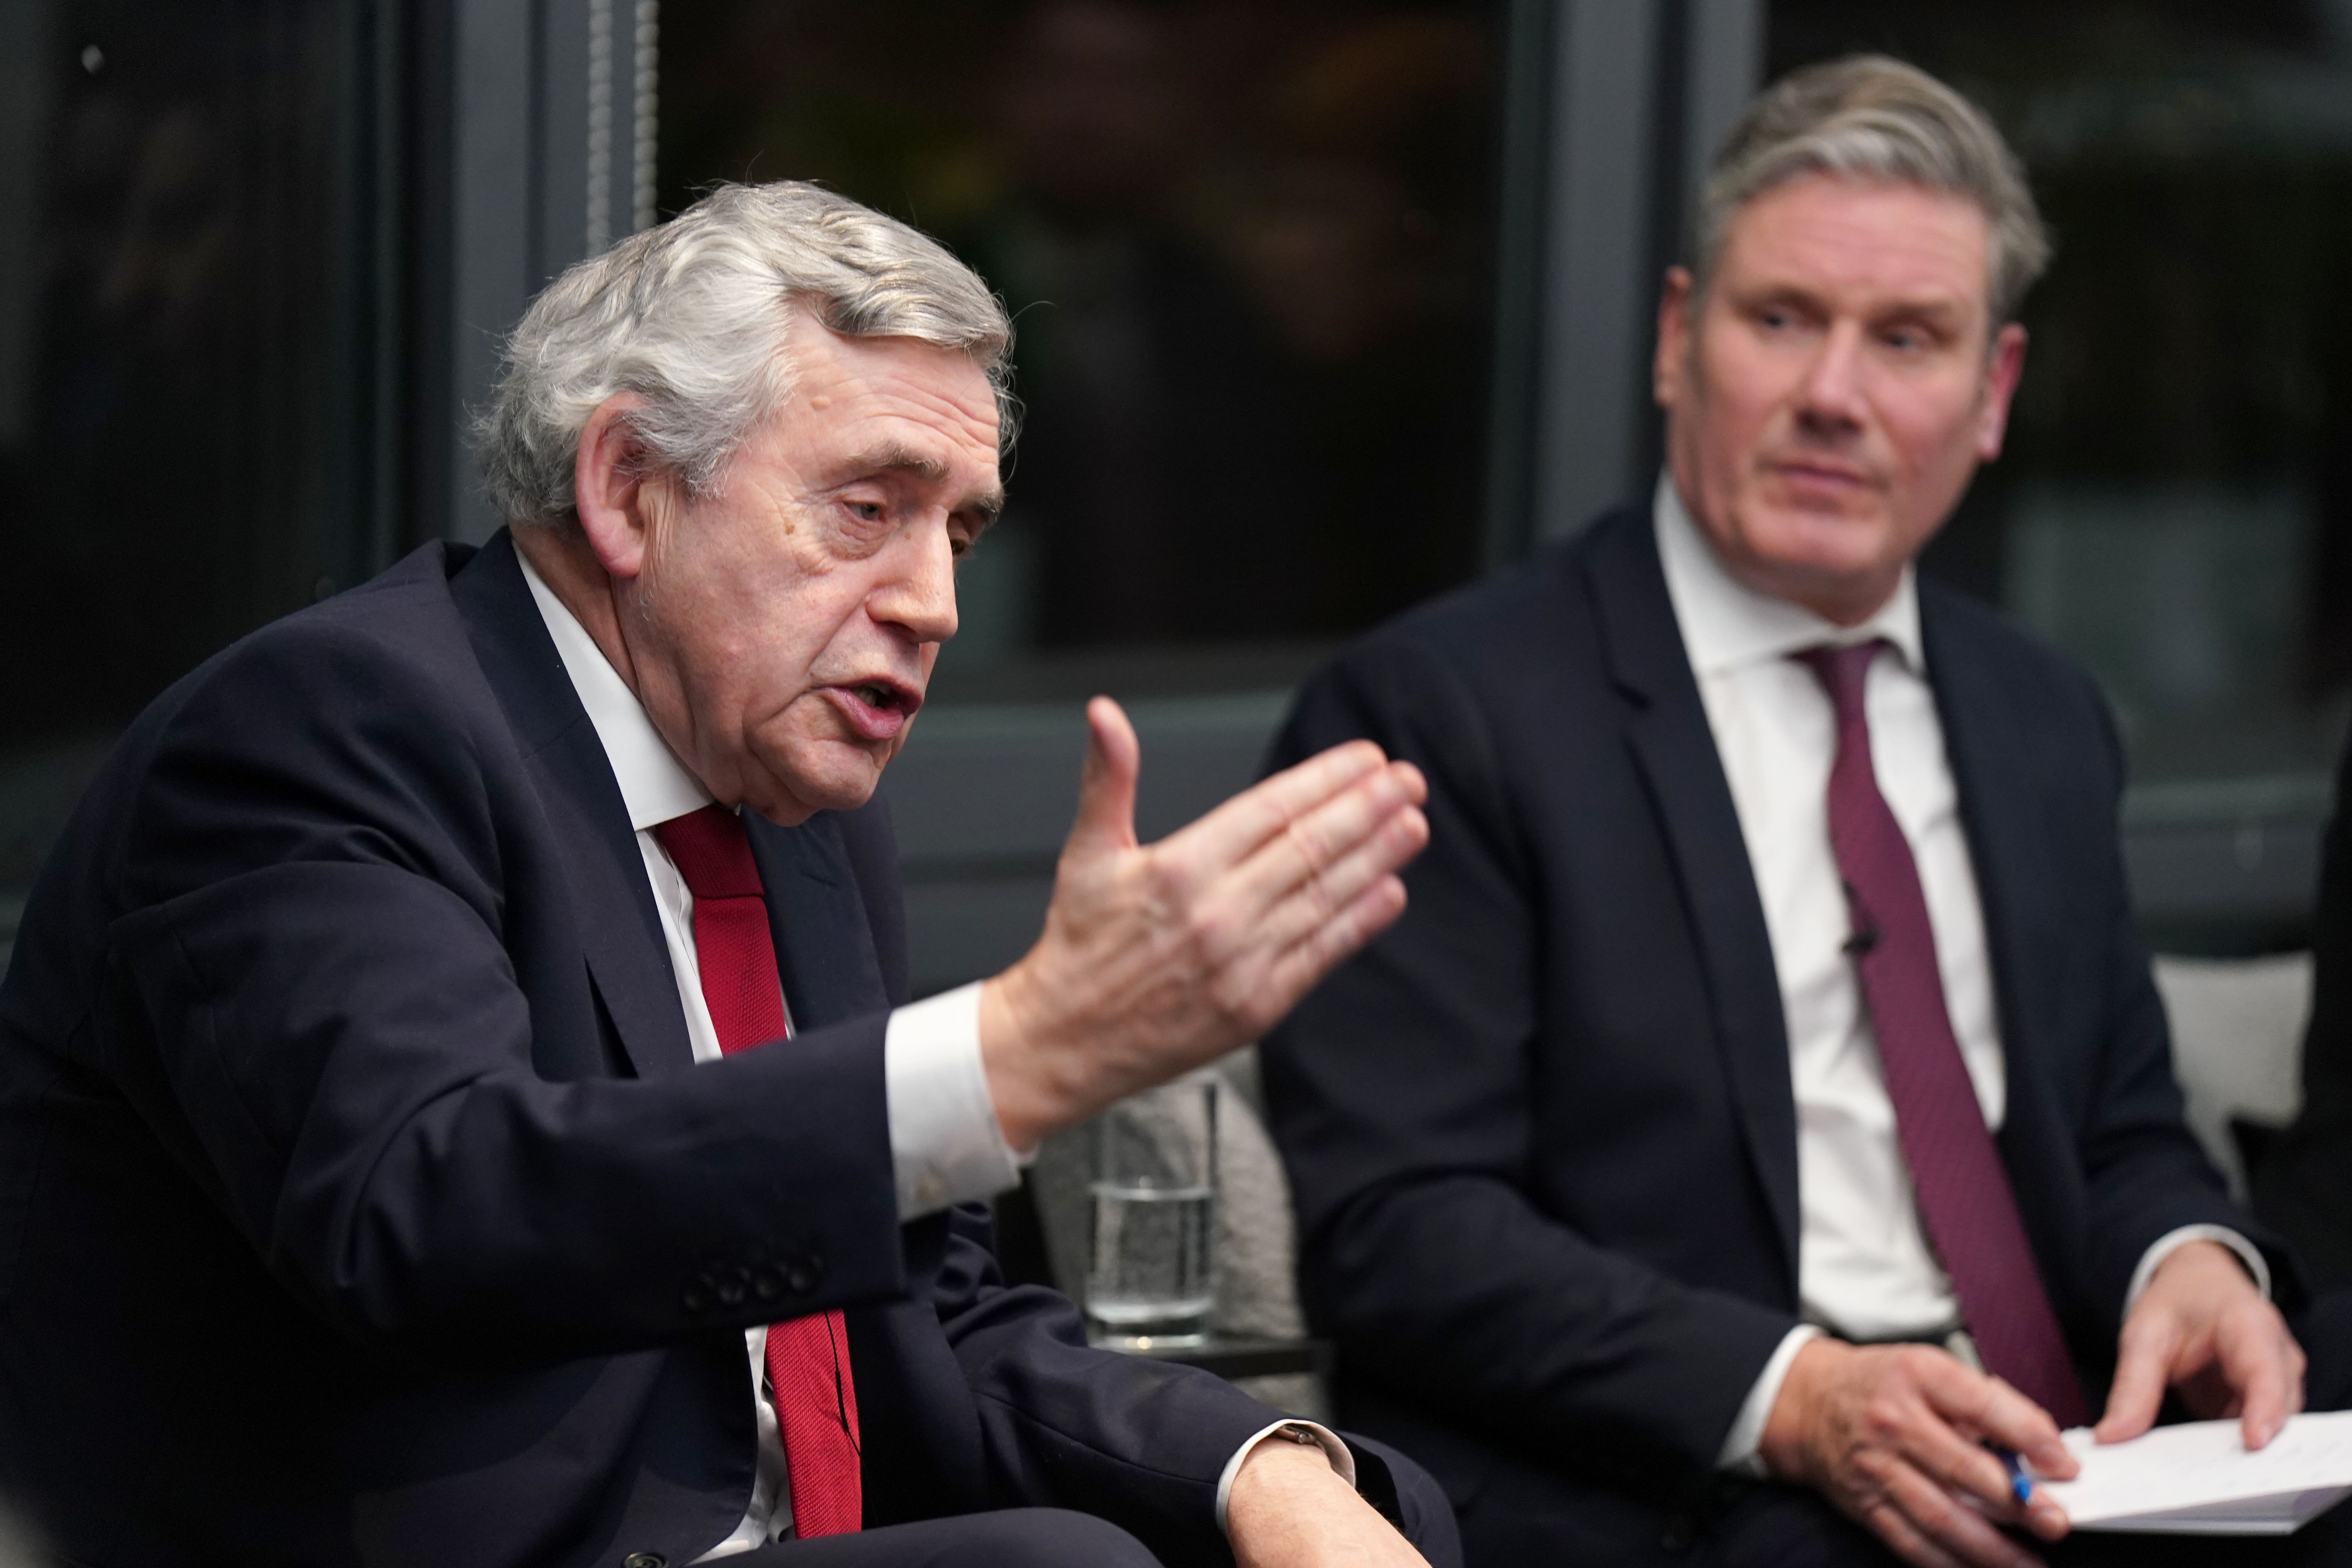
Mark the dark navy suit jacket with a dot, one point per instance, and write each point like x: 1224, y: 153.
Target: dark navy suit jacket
x: 360, y: 1201
x: 1542, y: 1133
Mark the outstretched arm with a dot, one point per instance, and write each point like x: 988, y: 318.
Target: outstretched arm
x: 1157, y: 958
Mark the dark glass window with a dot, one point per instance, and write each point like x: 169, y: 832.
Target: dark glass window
x: 1250, y: 252
x: 2175, y: 505
x: 184, y: 397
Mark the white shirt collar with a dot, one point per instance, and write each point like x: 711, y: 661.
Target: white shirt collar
x: 1727, y: 625
x: 655, y: 785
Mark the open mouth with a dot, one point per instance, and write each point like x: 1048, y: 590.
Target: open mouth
x: 877, y: 709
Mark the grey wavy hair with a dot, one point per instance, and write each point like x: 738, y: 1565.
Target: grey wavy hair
x: 1868, y: 116
x: 691, y: 316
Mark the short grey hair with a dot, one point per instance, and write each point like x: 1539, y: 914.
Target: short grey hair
x: 691, y: 316
x: 1870, y: 118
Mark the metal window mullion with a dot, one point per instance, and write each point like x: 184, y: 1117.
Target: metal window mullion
x: 1597, y: 293
x: 646, y: 114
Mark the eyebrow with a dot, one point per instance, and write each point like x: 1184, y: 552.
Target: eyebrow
x: 1938, y: 306
x: 1941, y: 305
x: 893, y: 457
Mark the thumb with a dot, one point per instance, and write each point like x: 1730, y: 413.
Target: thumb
x: 1107, y: 789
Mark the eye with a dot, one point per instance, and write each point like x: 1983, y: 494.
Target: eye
x: 1915, y: 338
x: 866, y: 510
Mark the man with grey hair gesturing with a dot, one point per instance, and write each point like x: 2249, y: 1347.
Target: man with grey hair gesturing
x: 1765, y: 1101
x: 457, y: 1102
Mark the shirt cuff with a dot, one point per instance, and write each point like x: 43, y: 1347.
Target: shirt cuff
x: 2172, y: 1241
x: 946, y: 1145
x: 1333, y: 1450
x: 1742, y: 1445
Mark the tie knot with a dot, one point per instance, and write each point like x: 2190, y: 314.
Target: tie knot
x: 1841, y: 668
x: 712, y: 852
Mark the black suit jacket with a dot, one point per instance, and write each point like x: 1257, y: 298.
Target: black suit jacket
x: 2303, y: 1185
x: 360, y: 1201
x: 1541, y: 1132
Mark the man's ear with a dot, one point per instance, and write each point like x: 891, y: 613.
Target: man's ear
x: 2004, y: 363
x: 609, y: 489
x: 1671, y: 365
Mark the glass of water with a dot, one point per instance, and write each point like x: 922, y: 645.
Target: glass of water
x: 1150, y: 1262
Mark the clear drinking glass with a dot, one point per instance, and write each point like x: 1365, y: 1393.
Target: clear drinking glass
x: 1151, y: 1262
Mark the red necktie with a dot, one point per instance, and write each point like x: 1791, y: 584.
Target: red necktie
x: 808, y: 1358
x: 1965, y: 1197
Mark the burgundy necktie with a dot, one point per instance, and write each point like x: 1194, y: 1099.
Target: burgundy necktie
x: 1964, y: 1194
x: 808, y: 1358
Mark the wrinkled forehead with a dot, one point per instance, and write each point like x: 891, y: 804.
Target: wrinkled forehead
x: 900, y: 390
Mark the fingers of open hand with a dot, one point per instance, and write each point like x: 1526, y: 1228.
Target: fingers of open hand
x: 1304, y: 884
x: 1297, y: 969
x: 1253, y: 979
x: 1235, y: 830
x: 1298, y: 881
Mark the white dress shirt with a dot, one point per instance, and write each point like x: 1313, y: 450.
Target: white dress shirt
x: 945, y: 1144
x: 1865, y: 1268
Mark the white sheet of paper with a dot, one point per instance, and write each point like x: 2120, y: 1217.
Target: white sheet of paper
x: 2199, y: 1478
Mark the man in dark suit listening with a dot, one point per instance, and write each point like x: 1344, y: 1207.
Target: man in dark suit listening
x: 457, y: 1099
x: 1767, y: 1084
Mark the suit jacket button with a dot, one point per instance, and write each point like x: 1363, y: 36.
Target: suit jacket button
x: 644, y: 1560
x: 766, y: 1286
x: 694, y: 1300
x: 801, y: 1279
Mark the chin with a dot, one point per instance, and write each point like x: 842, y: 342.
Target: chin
x: 1818, y: 543
x: 799, y: 786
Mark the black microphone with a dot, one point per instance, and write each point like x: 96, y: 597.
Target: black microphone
x: 1864, y: 939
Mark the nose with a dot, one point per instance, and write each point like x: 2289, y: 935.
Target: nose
x: 919, y: 597
x: 1831, y: 401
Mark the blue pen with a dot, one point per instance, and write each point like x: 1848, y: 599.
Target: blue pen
x: 2020, y: 1483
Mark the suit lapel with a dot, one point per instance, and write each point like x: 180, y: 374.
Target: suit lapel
x: 613, y: 904
x: 1673, y: 750
x: 2009, y: 851
x: 824, y: 946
